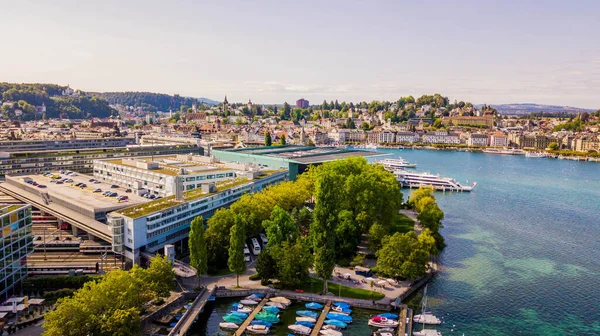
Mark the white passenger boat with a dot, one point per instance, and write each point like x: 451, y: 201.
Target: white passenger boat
x: 417, y: 180
x: 504, y: 151
x: 395, y: 164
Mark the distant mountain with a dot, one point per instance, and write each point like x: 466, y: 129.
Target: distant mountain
x: 151, y: 101
x: 527, y: 108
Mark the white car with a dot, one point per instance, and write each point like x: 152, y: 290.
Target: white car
x: 247, y: 257
x: 263, y: 239
x: 246, y: 250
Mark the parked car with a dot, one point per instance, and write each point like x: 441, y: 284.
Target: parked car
x: 114, y: 186
x: 122, y: 198
x: 91, y: 180
x: 83, y: 185
x: 69, y: 181
x: 96, y: 182
x: 246, y: 258
x: 127, y: 190
x: 113, y: 194
x: 152, y: 196
x: 97, y: 190
x: 78, y: 184
x: 59, y: 182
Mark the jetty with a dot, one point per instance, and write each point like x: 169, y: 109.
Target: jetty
x: 410, y: 322
x: 321, y: 320
x: 402, y: 321
x: 188, y: 319
x: 250, y: 318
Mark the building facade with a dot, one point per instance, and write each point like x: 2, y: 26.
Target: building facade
x: 480, y: 140
x: 41, y: 145
x: 149, y: 227
x: 302, y: 103
x: 498, y: 140
x: 441, y: 137
x: 15, y: 244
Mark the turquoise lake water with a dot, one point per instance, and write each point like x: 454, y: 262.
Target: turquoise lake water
x: 523, y: 255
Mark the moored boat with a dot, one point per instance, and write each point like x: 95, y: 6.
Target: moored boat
x: 427, y: 332
x: 281, y: 299
x: 341, y: 310
x: 299, y: 329
x: 276, y: 304
x: 232, y: 319
x: 306, y: 319
x: 257, y: 329
x: 382, y: 322
x: 271, y: 309
x: 389, y: 316
x: 239, y: 314
x: 313, y: 305
x: 336, y: 323
x: 330, y: 332
x: 260, y: 322
x: 307, y: 313
x: 426, y: 318
x: 339, y: 317
x: 248, y: 302
x: 228, y: 325
x: 306, y: 324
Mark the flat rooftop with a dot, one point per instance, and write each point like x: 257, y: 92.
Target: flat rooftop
x: 83, y: 198
x: 305, y: 154
x: 168, y: 165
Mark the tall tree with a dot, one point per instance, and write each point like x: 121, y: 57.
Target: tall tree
x: 268, y: 141
x: 197, y: 244
x: 280, y: 227
x: 282, y: 140
x: 236, y: 261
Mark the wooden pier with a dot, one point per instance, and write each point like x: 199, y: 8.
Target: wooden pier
x: 322, y: 318
x: 410, y: 322
x: 402, y: 320
x: 250, y: 318
x: 191, y: 315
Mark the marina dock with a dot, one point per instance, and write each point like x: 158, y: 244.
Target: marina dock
x: 321, y: 320
x: 410, y: 322
x: 191, y: 315
x: 402, y: 320
x: 250, y: 318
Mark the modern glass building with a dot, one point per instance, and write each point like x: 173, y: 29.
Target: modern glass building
x: 16, y: 242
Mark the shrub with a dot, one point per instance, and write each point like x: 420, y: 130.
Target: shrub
x: 255, y: 277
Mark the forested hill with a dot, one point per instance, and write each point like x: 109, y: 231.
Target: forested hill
x: 20, y: 101
x: 153, y: 102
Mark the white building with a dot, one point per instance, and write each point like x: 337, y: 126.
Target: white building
x: 158, y: 175
x: 387, y: 137
x: 441, y: 137
x: 151, y: 226
x: 476, y: 139
x: 407, y: 137
x: 498, y: 140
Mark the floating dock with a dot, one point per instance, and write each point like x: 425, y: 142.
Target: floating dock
x: 410, y: 322
x: 250, y: 318
x: 321, y: 320
x: 402, y: 325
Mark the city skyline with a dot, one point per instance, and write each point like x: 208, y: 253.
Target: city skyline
x: 270, y: 52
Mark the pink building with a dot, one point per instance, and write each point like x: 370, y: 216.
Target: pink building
x: 302, y: 103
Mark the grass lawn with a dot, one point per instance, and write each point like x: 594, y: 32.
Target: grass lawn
x: 349, y: 292
x: 403, y: 224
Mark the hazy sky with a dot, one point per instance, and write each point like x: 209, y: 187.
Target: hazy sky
x: 481, y: 50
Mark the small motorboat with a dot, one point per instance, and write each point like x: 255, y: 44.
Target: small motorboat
x: 253, y: 298
x: 332, y: 327
x: 306, y: 319
x: 427, y: 332
x: 243, y: 309
x: 426, y: 318
x: 249, y: 302
x: 339, y: 317
x: 384, y: 332
x: 259, y: 295
x: 341, y: 310
x: 233, y: 319
x: 266, y: 316
x: 257, y: 329
x: 313, y: 305
x: 228, y: 325
x: 341, y: 304
x: 299, y: 329
x: 336, y: 323
x: 271, y: 309
x: 307, y: 313
x: 382, y: 322
x: 259, y: 322
x: 281, y: 299
x: 306, y: 324
x: 276, y: 304
x: 239, y: 314
x: 330, y: 332
x: 389, y: 316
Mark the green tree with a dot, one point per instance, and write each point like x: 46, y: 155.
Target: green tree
x: 402, y: 255
x: 286, y: 111
x: 553, y: 146
x: 376, y: 235
x: 217, y: 239
x: 197, y: 244
x: 282, y: 140
x: 268, y: 141
x: 281, y: 227
x: 236, y: 261
x: 431, y: 217
x: 266, y: 267
x: 293, y: 262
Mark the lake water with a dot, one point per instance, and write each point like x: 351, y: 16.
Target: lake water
x: 523, y: 255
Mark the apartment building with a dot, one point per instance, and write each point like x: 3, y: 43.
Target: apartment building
x: 15, y: 244
x: 441, y: 137
x: 498, y: 140
x: 407, y: 137
x: 42, y: 145
x: 476, y: 139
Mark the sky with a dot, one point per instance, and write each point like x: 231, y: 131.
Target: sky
x: 482, y: 51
